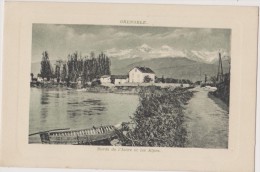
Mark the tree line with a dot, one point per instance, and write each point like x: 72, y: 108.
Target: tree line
x: 88, y: 68
x: 172, y: 80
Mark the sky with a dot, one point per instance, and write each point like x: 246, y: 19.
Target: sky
x: 129, y: 41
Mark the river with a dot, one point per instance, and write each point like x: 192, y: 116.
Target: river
x: 206, y: 117
x: 57, y: 108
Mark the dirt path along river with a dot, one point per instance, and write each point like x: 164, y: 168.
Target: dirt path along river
x: 207, y: 121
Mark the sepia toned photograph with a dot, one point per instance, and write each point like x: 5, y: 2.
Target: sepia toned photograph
x: 130, y: 86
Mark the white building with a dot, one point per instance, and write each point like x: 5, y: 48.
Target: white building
x: 141, y: 75
x: 39, y: 79
x: 105, y: 79
x: 119, y: 79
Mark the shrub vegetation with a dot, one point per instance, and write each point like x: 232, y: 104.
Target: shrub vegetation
x: 158, y: 120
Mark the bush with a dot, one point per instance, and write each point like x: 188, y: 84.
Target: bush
x: 95, y: 83
x: 158, y: 120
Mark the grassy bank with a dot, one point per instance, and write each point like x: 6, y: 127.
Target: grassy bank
x: 116, y: 89
x: 92, y: 89
x: 158, y: 121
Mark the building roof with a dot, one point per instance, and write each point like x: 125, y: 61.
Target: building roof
x: 105, y: 76
x: 145, y: 69
x: 119, y: 76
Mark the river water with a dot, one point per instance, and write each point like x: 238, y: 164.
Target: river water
x: 206, y: 117
x: 57, y: 108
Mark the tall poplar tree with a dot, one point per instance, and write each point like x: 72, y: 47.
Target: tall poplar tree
x: 46, y: 69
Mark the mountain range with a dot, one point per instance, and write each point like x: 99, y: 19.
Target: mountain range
x: 164, y: 61
x: 174, y: 67
x: 177, y: 67
x: 146, y: 52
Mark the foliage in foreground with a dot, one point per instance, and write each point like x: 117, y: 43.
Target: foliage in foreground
x: 158, y: 121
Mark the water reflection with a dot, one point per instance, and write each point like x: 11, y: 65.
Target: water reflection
x: 44, y: 97
x: 52, y: 109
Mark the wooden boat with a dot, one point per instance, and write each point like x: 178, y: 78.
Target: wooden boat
x: 92, y: 136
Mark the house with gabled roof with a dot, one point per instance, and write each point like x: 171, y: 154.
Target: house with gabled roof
x: 119, y: 79
x: 141, y: 75
x: 114, y: 79
x: 105, y: 79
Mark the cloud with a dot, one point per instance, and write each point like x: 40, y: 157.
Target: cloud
x: 122, y: 34
x: 179, y: 33
x: 128, y: 42
x: 118, y: 53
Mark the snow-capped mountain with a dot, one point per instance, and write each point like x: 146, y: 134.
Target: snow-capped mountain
x: 144, y: 51
x: 144, y: 48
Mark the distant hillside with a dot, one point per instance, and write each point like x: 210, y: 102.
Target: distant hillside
x: 181, y: 68
x: 178, y: 67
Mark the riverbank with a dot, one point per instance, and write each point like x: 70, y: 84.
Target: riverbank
x: 125, y: 88
x: 131, y: 88
x: 158, y: 120
x: 94, y: 89
x: 116, y: 90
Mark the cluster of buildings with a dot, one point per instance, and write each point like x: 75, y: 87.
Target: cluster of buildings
x: 136, y: 75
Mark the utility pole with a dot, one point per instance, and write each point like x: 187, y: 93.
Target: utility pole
x: 220, y: 70
x: 200, y: 75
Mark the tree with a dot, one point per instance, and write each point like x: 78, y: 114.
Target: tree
x: 64, y: 72
x: 58, y: 69
x: 163, y: 80
x: 147, y: 79
x: 31, y: 76
x: 46, y: 69
x: 198, y: 82
x: 214, y: 80
x: 76, y: 66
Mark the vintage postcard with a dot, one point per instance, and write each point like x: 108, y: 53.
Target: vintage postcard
x: 96, y: 87
x: 130, y: 86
